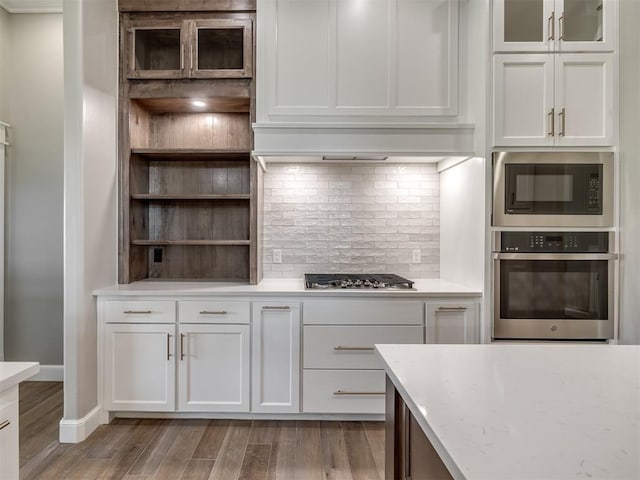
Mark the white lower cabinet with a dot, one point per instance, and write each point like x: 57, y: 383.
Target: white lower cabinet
x: 342, y: 372
x: 9, y: 456
x: 275, y: 367
x: 139, y: 367
x: 453, y: 322
x: 213, y: 368
x: 344, y: 391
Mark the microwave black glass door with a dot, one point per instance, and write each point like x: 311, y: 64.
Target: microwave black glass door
x: 553, y: 189
x: 554, y: 289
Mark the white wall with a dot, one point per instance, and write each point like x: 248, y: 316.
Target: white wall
x: 90, y: 223
x: 630, y: 171
x: 32, y: 91
x: 4, y: 50
x: 351, y: 219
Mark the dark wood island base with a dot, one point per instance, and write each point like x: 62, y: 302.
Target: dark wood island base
x: 408, y: 452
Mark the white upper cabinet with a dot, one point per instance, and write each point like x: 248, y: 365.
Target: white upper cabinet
x: 553, y: 25
x: 347, y: 60
x: 553, y: 100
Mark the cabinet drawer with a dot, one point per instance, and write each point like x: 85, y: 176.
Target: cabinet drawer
x: 343, y: 391
x: 347, y: 346
x: 359, y: 312
x: 214, y: 312
x: 140, y: 311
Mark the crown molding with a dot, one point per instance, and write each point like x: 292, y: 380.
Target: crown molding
x: 32, y: 6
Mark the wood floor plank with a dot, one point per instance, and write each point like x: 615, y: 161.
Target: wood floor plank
x: 229, y: 461
x: 157, y: 449
x: 363, y: 467
x: 198, y: 469
x: 375, y: 437
x: 177, y: 457
x: 150, y: 459
x: 256, y: 462
x: 211, y: 441
x: 308, y: 451
x: 334, y: 452
x: 262, y: 432
x: 282, y: 461
x: 131, y: 447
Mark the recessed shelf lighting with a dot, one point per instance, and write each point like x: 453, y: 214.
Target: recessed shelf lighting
x: 198, y: 103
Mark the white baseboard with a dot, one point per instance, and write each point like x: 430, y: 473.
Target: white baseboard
x: 75, y: 431
x: 49, y: 373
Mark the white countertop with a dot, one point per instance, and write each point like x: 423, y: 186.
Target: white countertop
x: 12, y: 373
x: 540, y: 411
x: 284, y: 286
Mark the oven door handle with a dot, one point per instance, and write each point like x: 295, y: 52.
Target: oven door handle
x: 556, y: 256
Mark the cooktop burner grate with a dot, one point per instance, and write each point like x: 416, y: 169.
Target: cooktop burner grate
x: 355, y: 281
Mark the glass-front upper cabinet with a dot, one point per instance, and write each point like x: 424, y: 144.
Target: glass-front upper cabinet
x: 198, y: 48
x: 553, y: 25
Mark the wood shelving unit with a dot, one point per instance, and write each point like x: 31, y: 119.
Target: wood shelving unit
x: 188, y: 184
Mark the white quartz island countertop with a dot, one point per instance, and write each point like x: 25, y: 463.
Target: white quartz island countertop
x: 12, y: 373
x: 530, y: 411
x: 282, y: 286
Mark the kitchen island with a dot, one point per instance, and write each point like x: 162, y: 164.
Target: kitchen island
x: 529, y: 411
x: 11, y: 374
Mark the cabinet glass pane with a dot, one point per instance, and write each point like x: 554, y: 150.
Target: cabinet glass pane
x: 582, y: 21
x: 523, y: 21
x: 157, y: 49
x: 220, y: 48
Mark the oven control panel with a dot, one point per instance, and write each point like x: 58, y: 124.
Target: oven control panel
x: 554, y: 242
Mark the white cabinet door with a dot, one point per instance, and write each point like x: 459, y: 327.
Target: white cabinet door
x: 337, y: 61
x: 139, y: 367
x: 553, y: 99
x: 9, y: 458
x: 453, y: 322
x: 523, y: 100
x: 523, y: 25
x: 213, y: 368
x: 553, y: 26
x: 275, y: 364
x: 584, y: 99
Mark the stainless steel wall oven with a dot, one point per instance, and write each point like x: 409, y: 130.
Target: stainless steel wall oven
x: 553, y: 285
x: 553, y: 189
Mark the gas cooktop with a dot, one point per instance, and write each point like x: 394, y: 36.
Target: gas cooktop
x: 385, y: 281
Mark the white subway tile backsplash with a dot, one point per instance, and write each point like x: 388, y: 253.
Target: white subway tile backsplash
x: 358, y: 218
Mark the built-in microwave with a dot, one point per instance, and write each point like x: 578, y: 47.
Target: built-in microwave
x: 553, y: 189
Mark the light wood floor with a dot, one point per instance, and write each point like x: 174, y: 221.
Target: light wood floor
x: 138, y: 449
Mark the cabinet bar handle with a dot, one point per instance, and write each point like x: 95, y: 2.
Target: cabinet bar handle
x: 137, y: 312
x: 182, y: 57
x: 191, y: 57
x: 452, y: 309
x: 4, y: 424
x: 551, y: 25
x: 561, y: 27
x: 168, y: 346
x: 552, y: 118
x: 213, y: 312
x: 281, y: 307
x: 563, y: 122
x: 182, y: 346
x: 340, y: 347
x: 345, y: 392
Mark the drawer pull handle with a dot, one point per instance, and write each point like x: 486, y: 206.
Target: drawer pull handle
x: 4, y: 424
x: 213, y: 312
x: 452, y: 309
x: 280, y: 307
x: 357, y: 349
x: 138, y: 312
x: 344, y: 392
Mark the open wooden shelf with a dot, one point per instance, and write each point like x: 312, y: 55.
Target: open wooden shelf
x: 192, y: 153
x: 195, y: 197
x: 190, y: 242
